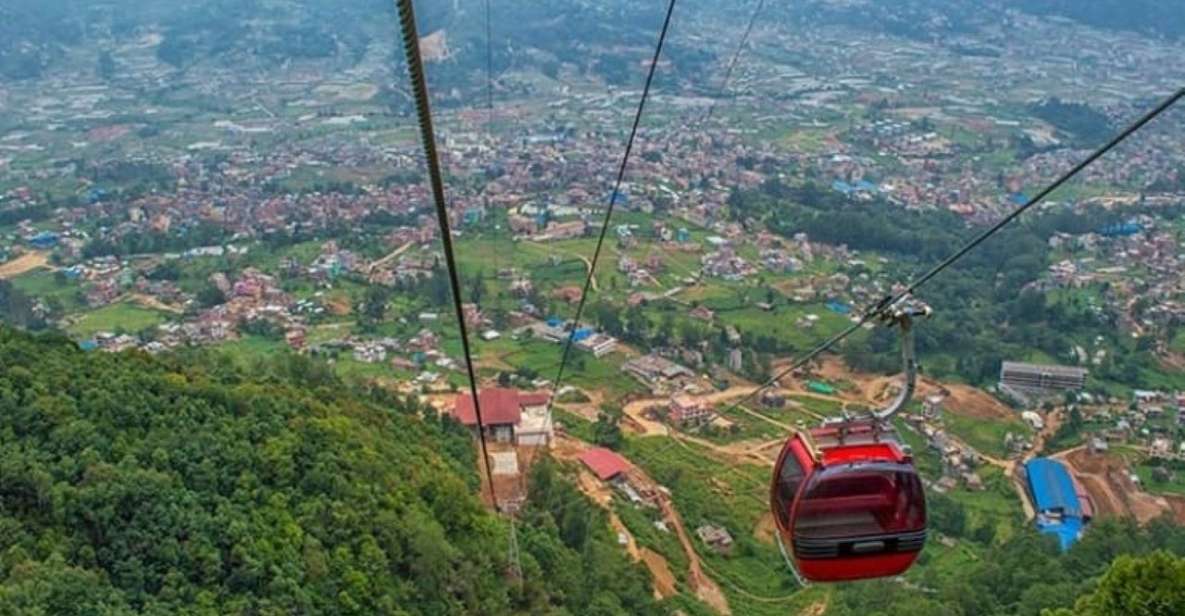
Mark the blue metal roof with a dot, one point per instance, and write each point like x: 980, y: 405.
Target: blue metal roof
x: 838, y: 307
x: 1052, y: 487
x: 1067, y: 530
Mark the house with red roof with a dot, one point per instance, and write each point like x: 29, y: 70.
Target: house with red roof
x: 508, y: 415
x: 606, y: 464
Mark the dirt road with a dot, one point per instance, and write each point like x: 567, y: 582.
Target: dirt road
x: 664, y: 580
x: 705, y: 588
x: 389, y: 257
x: 23, y: 264
x: 154, y: 303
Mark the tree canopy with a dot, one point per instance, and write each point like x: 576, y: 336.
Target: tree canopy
x: 131, y: 484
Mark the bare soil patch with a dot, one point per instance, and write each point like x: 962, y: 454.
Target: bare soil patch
x: 765, y: 529
x: 1107, y: 479
x: 23, y: 264
x: 434, y: 47
x: 971, y: 402
x: 664, y: 580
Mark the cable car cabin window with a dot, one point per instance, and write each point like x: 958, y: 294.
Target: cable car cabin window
x: 846, y: 501
x: 790, y: 477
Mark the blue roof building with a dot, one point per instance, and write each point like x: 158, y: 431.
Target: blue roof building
x: 842, y: 187
x: 1055, y: 497
x: 1122, y: 229
x: 44, y: 239
x: 96, y: 195
x: 838, y: 307
x: 1018, y: 198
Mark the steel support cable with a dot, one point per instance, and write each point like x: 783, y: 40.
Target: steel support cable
x: 732, y: 64
x: 490, y: 117
x: 592, y: 266
x: 415, y: 67
x: 874, y: 311
x: 877, y: 309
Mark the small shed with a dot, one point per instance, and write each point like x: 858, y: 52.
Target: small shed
x: 606, y: 464
x: 715, y: 537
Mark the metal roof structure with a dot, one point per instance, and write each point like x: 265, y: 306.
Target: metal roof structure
x: 606, y: 464
x: 1052, y: 487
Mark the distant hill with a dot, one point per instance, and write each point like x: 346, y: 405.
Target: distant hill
x: 608, y: 40
x: 1153, y: 17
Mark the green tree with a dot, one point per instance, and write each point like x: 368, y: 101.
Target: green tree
x: 1152, y: 585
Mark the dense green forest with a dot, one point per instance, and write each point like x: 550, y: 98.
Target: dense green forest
x: 184, y: 485
x: 1116, y: 565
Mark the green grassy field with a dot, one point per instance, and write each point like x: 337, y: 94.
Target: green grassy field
x: 1178, y: 341
x: 754, y: 577
x: 985, y: 436
x: 575, y: 425
x: 248, y: 349
x: 1175, y: 485
x: 583, y: 369
x: 42, y: 284
x: 121, y: 317
x: 997, y: 505
x: 747, y: 427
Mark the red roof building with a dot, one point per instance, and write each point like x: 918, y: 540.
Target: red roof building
x: 604, y: 463
x: 502, y: 413
x: 499, y: 406
x: 535, y: 398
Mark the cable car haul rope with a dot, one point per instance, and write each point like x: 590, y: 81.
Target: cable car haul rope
x: 846, y: 498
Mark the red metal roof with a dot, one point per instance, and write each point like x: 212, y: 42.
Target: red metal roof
x: 535, y: 398
x: 499, y: 406
x: 604, y: 463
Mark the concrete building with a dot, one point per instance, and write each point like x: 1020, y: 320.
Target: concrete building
x: 685, y: 410
x: 652, y: 370
x: 1022, y: 380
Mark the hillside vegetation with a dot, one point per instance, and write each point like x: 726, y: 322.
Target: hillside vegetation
x: 135, y: 485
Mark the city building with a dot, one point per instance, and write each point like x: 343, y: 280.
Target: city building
x: 685, y: 410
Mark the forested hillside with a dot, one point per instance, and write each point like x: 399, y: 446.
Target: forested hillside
x: 136, y: 485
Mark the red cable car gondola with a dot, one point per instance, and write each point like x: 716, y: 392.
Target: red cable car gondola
x: 846, y: 497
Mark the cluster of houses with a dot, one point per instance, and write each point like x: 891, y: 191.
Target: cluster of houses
x: 1154, y: 419
x: 959, y: 463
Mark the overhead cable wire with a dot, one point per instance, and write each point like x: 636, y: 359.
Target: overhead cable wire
x: 592, y: 267
x: 490, y: 119
x: 732, y: 64
x: 877, y: 309
x: 415, y: 67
